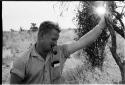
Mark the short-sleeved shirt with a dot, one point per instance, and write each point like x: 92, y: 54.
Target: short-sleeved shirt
x: 33, y: 69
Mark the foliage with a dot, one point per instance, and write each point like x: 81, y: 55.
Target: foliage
x: 33, y: 27
x: 12, y: 30
x: 21, y: 29
x: 86, y: 20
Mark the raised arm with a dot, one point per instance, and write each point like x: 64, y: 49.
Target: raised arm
x: 88, y: 38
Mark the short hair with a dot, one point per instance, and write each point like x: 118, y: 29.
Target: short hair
x: 46, y: 27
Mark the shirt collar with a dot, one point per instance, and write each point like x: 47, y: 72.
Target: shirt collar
x: 34, y: 53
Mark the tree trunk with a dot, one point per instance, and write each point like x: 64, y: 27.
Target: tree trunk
x: 123, y: 73
x: 114, y: 53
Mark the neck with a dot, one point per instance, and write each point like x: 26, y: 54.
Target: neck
x: 41, y: 51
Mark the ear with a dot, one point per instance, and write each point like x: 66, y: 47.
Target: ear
x: 40, y: 36
x: 43, y: 35
x: 46, y: 35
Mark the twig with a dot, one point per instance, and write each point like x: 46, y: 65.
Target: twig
x: 122, y: 10
x: 119, y: 31
x: 118, y: 16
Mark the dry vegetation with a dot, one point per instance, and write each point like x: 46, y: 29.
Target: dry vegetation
x: 76, y: 70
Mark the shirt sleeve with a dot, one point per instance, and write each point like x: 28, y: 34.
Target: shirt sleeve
x: 65, y: 52
x: 19, y: 68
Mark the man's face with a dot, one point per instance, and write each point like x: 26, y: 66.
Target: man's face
x: 49, y: 40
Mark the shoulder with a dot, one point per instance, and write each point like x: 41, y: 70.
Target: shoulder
x: 19, y: 65
x: 22, y: 59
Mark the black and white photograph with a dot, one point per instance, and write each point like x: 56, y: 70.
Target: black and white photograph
x: 63, y: 42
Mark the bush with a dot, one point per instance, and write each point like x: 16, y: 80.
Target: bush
x: 86, y: 21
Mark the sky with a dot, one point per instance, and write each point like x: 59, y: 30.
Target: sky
x: 16, y: 14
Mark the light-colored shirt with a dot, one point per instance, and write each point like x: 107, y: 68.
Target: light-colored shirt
x: 33, y: 69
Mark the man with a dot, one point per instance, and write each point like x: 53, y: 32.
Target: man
x: 43, y: 63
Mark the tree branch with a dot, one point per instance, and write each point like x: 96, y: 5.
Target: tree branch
x: 122, y: 9
x: 119, y: 31
x: 114, y: 53
x: 113, y: 47
x: 118, y: 16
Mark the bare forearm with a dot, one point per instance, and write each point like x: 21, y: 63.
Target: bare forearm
x: 88, y: 38
x: 91, y: 36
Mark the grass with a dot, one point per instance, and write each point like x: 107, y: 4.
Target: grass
x: 76, y: 69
